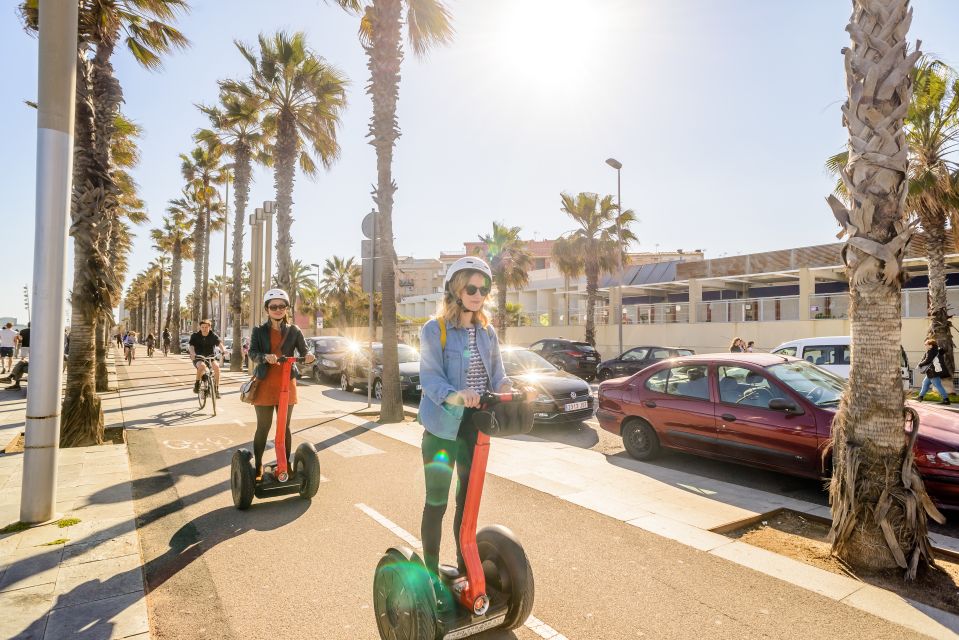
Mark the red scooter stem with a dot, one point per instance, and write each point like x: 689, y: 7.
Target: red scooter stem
x: 282, y: 473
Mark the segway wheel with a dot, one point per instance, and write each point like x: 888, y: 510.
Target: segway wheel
x: 403, y: 599
x: 241, y: 479
x: 307, y: 464
x: 507, y: 568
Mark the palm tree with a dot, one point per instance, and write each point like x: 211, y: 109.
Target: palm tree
x: 301, y: 97
x: 569, y: 263
x: 301, y: 279
x: 175, y: 238
x: 340, y: 286
x: 202, y: 168
x: 602, y: 241
x: 238, y: 129
x: 427, y: 24
x: 510, y: 261
x: 879, y: 504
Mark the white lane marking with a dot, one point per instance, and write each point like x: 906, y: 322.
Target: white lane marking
x: 543, y: 630
x: 536, y: 625
x: 199, y: 446
x: 402, y: 533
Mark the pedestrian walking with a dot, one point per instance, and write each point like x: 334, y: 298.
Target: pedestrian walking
x: 738, y: 346
x: 8, y: 340
x: 274, y: 338
x: 119, y: 339
x: 750, y: 346
x: 934, y: 366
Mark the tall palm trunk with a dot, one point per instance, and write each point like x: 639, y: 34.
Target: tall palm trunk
x: 879, y: 504
x: 385, y: 55
x: 176, y: 275
x: 501, y: 290
x: 82, y: 422
x: 940, y: 325
x: 206, y: 252
x: 241, y: 194
x: 592, y: 290
x: 199, y: 244
x: 286, y: 148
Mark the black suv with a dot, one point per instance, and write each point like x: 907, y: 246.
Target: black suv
x: 637, y: 359
x: 330, y: 352
x: 578, y: 358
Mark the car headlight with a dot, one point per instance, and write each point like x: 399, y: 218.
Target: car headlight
x: 543, y: 398
x: 328, y: 363
x: 949, y: 457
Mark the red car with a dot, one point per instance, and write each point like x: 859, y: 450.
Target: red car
x: 758, y: 409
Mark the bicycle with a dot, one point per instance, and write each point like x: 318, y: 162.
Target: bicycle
x: 207, y: 387
x: 128, y: 352
x: 149, y: 350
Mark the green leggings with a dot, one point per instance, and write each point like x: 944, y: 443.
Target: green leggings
x: 439, y: 456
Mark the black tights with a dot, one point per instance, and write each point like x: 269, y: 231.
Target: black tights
x: 439, y: 456
x: 264, y: 420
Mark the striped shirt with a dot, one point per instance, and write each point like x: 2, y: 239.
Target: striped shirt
x: 476, y: 377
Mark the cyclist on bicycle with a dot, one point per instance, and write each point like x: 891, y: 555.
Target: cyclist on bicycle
x: 130, y: 344
x: 166, y: 340
x: 275, y: 337
x: 151, y: 343
x: 203, y: 344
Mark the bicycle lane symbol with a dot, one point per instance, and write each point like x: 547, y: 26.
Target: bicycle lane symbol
x: 198, y: 447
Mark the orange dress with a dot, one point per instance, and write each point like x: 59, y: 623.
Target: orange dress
x: 268, y: 390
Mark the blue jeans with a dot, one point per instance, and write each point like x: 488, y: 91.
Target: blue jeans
x: 937, y: 383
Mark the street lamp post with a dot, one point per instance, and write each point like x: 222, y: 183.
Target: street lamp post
x: 616, y: 164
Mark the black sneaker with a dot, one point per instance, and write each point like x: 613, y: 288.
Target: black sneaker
x: 945, y: 401
x: 919, y: 398
x: 196, y: 387
x: 218, y: 394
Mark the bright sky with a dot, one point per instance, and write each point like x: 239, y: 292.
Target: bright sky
x: 722, y: 114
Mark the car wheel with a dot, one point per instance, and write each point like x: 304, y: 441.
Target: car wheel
x: 317, y: 376
x: 378, y: 390
x: 640, y: 440
x: 604, y: 374
x: 345, y: 383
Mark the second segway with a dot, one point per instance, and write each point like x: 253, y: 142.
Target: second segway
x: 497, y: 590
x: 277, y: 480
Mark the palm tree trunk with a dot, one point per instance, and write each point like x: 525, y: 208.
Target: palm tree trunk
x: 879, y: 504
x: 385, y: 56
x: 501, y: 291
x: 940, y: 324
x: 206, y: 252
x: 199, y: 243
x: 241, y: 193
x: 592, y: 289
x: 176, y: 275
x: 286, y: 148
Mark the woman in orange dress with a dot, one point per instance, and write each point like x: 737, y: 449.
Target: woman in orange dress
x: 274, y: 338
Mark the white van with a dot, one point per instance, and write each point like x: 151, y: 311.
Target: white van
x: 832, y: 354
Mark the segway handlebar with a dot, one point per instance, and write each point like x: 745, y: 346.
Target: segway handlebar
x: 282, y: 359
x: 491, y: 399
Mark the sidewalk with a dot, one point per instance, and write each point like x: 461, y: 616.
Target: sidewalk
x: 89, y: 583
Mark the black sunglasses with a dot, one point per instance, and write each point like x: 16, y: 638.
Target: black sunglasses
x: 471, y: 290
x: 277, y: 307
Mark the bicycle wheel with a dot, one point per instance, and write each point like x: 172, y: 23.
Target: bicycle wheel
x: 201, y: 397
x: 212, y: 391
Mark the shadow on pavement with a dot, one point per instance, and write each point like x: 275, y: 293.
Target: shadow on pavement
x: 575, y: 434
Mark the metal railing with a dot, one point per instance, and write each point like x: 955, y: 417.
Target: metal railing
x: 749, y: 310
x: 829, y: 307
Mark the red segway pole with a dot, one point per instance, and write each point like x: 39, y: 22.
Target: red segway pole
x: 474, y: 597
x: 286, y: 365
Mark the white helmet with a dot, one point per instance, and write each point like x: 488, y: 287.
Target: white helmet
x: 275, y: 294
x: 467, y: 264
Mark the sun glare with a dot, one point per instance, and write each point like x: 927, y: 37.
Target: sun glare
x: 547, y: 41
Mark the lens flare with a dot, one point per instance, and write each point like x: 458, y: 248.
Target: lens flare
x: 442, y: 456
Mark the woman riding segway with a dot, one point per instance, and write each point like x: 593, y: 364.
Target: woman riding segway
x: 274, y: 339
x: 461, y: 364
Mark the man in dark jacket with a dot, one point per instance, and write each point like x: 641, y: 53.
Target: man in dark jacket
x: 934, y: 366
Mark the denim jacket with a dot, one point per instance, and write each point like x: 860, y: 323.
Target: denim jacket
x: 443, y: 371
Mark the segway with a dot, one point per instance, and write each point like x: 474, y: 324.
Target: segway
x: 497, y: 590
x: 276, y: 479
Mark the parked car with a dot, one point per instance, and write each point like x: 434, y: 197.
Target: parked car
x: 563, y: 397
x: 833, y: 354
x: 185, y: 342
x: 763, y: 410
x: 578, y: 358
x: 356, y: 366
x: 330, y: 352
x: 226, y: 352
x: 637, y: 359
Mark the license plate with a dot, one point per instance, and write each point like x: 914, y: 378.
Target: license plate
x: 419, y: 387
x: 573, y: 406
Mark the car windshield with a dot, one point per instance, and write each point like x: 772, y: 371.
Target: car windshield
x: 406, y: 353
x: 328, y: 345
x: 818, y: 385
x: 520, y: 361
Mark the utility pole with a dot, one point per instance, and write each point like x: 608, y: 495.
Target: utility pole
x: 55, y: 118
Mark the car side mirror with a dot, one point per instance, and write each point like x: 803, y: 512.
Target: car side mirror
x: 787, y: 406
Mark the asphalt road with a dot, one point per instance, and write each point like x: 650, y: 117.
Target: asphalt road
x: 297, y: 569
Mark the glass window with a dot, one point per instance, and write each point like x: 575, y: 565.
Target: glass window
x: 684, y: 352
x: 827, y: 354
x: 657, y: 381
x: 537, y: 347
x: 818, y: 385
x: 635, y: 355
x: 690, y: 380
x: 738, y: 385
x: 520, y: 361
x: 786, y: 351
x: 659, y: 354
